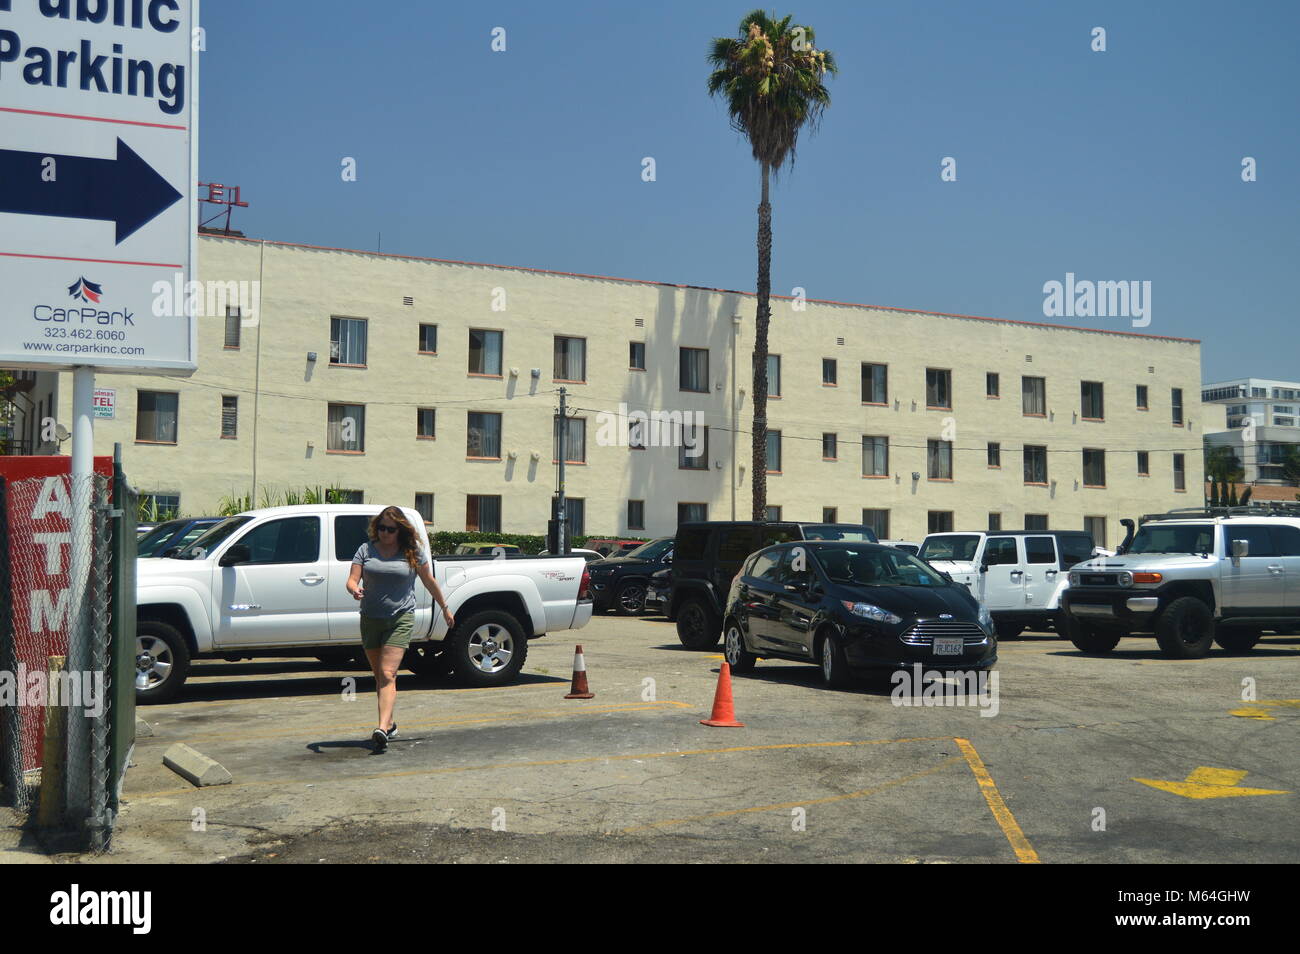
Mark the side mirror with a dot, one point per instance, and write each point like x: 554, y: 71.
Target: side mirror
x: 948, y: 576
x: 1240, y: 548
x: 239, y: 553
x: 984, y: 567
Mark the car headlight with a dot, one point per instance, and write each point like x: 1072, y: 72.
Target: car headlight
x: 873, y: 613
x: 986, y: 618
x: 1126, y: 578
x: 1074, y: 579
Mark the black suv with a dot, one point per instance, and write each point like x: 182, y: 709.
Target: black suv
x: 707, y: 555
x: 620, y: 581
x: 853, y: 606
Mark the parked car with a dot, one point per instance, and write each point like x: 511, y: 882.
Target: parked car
x: 658, y: 591
x: 907, y: 546
x: 173, y: 533
x: 1190, y: 582
x: 1018, y: 574
x: 488, y: 549
x: 620, y: 582
x: 591, y: 556
x: 707, y: 555
x: 271, y: 583
x: 852, y: 607
x: 612, y: 546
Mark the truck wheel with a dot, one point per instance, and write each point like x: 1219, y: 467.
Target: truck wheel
x: 740, y: 659
x: 630, y: 599
x: 427, y: 661
x: 835, y: 667
x: 162, y: 661
x: 488, y: 649
x: 1185, y: 629
x: 1237, y: 639
x: 1090, y: 638
x: 696, y: 626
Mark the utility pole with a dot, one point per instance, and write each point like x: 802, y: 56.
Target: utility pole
x: 563, y: 440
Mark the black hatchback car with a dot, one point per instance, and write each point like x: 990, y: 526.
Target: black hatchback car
x: 852, y: 606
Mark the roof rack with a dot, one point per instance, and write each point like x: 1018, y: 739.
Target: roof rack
x: 1271, y: 508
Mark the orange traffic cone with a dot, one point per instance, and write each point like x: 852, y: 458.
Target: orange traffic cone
x: 579, y: 688
x: 724, y: 713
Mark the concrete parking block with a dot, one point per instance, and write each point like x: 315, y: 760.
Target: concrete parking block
x: 195, y: 767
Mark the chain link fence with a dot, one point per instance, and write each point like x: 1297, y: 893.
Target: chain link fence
x: 55, y: 546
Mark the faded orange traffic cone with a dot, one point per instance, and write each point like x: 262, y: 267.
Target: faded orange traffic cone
x: 579, y: 688
x: 724, y: 712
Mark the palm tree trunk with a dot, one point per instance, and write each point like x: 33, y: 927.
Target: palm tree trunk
x: 758, y: 478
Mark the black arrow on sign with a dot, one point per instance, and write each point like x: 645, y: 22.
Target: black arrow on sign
x: 125, y: 191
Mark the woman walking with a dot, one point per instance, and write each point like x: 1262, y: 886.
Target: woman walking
x: 383, y: 577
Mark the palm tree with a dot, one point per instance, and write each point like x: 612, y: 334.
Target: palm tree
x: 771, y: 78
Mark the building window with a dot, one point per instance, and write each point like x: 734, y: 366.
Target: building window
x: 636, y: 355
x: 875, y: 456
x: 424, y: 507
x: 1096, y: 526
x: 992, y: 385
x: 830, y: 515
x: 875, y: 383
x: 156, y: 415
x: 1094, y: 468
x: 1144, y: 464
x: 1034, y: 396
x: 938, y: 389
x: 995, y: 521
x: 693, y: 453
x: 1142, y: 403
x: 1091, y: 399
x: 938, y: 458
x: 483, y: 513
x: 575, y: 440
x: 636, y: 514
x: 428, y: 339
x: 1035, y: 464
x: 773, y: 452
x: 772, y: 514
x: 1035, y: 521
x: 694, y: 369
x: 939, y: 521
x: 483, y: 436
x: 636, y: 431
x: 773, y: 375
x: 575, y: 514
x: 348, y: 341
x: 233, y: 321
x: 830, y: 446
x: 1176, y: 402
x: 878, y: 521
x: 229, y: 416
x: 692, y: 512
x: 1180, y: 474
x: 425, y: 418
x: 160, y: 507
x: 485, y: 352
x: 346, y: 431
x: 830, y: 372
x: 995, y: 454
x: 570, y: 359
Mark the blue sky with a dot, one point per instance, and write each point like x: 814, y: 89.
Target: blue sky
x: 1122, y: 165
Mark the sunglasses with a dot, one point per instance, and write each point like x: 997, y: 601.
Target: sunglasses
x: 383, y: 528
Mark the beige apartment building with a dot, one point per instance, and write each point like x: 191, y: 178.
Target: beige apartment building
x: 434, y: 384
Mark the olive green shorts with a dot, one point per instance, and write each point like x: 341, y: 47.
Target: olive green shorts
x: 396, y: 631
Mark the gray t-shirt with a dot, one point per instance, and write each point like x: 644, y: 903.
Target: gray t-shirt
x: 389, y: 584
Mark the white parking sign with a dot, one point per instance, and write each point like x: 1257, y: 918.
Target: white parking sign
x: 98, y: 163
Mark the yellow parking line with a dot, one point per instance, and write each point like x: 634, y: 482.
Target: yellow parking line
x: 1006, y: 821
x: 811, y: 801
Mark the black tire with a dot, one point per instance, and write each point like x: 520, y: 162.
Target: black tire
x: 834, y: 665
x: 629, y: 600
x: 1185, y: 629
x: 697, y: 627
x: 162, y: 662
x: 465, y: 649
x: 1009, y: 630
x: 738, y: 657
x: 1237, y: 639
x: 1089, y: 637
x: 428, y: 660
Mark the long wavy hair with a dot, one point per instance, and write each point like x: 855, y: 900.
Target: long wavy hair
x: 407, y: 544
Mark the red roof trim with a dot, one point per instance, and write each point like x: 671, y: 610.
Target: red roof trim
x: 725, y: 291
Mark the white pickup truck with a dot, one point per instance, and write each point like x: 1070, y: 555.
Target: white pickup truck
x: 272, y: 583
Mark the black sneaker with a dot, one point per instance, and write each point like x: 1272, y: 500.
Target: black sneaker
x: 392, y: 733
x: 380, y: 738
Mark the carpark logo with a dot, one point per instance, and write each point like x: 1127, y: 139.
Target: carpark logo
x: 922, y: 687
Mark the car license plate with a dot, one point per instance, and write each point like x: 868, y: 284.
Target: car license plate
x: 947, y: 647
